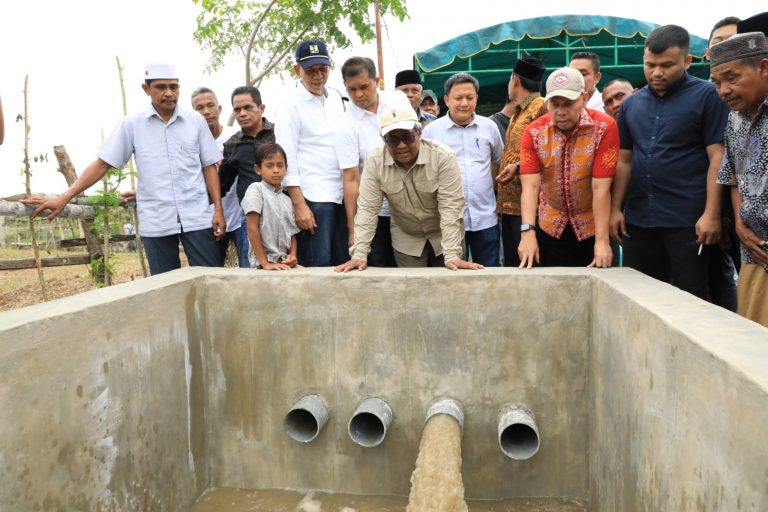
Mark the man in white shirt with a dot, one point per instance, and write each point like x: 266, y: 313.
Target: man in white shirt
x: 205, y: 103
x: 175, y: 161
x: 305, y: 128
x: 478, y: 147
x: 588, y: 64
x: 358, y: 134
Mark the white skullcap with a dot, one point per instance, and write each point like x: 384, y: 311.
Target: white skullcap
x: 159, y: 71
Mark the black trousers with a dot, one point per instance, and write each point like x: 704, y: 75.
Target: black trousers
x: 382, y: 254
x: 565, y: 251
x: 670, y: 255
x: 510, y: 239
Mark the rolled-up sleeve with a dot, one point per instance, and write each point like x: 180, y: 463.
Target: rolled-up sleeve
x: 450, y: 205
x: 368, y: 207
x: 119, y: 146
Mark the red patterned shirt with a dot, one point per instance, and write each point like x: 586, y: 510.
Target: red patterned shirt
x: 567, y: 164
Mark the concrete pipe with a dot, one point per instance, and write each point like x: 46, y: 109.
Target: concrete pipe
x: 306, y: 419
x: 447, y: 406
x: 518, y: 433
x: 368, y: 425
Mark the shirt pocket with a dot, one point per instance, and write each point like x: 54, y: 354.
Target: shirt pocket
x: 426, y: 191
x: 394, y: 192
x: 187, y: 151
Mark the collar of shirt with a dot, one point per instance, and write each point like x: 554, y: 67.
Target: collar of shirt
x: 675, y: 87
x: 177, y: 112
x: 241, y: 135
x: 527, y: 100
x: 761, y: 111
x: 359, y: 113
x: 271, y: 188
x: 471, y: 123
x: 423, y: 116
x: 308, y: 96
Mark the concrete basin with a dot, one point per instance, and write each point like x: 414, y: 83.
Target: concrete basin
x: 145, y: 395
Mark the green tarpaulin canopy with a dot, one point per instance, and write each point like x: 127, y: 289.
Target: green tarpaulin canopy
x: 490, y: 53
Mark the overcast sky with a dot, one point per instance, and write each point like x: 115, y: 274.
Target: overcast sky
x: 68, y: 49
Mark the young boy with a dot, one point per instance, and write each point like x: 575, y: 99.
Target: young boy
x: 269, y: 212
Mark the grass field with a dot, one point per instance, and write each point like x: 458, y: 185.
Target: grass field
x: 19, y: 288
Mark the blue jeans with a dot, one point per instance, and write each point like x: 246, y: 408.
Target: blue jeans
x: 200, y: 246
x: 242, y: 243
x: 328, y: 245
x: 483, y: 245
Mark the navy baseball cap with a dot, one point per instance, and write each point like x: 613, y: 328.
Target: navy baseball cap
x: 312, y: 52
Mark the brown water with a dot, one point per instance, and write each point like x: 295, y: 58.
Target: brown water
x: 228, y: 499
x: 436, y: 486
x: 436, y: 482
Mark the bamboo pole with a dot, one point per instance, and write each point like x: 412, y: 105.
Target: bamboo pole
x: 107, y: 231
x: 28, y: 175
x: 379, y: 52
x: 134, y: 214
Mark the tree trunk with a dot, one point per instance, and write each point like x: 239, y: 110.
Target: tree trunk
x: 91, y: 237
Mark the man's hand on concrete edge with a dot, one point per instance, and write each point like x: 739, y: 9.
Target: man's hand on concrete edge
x: 351, y: 265
x: 458, y: 263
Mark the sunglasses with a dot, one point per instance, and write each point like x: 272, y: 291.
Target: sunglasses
x: 394, y: 141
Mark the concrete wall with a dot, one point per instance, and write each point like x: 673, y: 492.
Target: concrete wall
x: 96, y: 409
x: 483, y: 338
x: 680, y: 394
x: 647, y: 399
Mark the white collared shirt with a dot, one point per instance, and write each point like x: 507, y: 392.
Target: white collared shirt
x: 477, y: 146
x: 171, y: 195
x: 233, y: 214
x: 595, y: 101
x: 305, y: 128
x: 359, y: 134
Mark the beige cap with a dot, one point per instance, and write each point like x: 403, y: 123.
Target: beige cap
x: 397, y: 117
x: 160, y: 71
x: 565, y: 82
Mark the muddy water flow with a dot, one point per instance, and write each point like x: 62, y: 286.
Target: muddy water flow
x: 436, y: 482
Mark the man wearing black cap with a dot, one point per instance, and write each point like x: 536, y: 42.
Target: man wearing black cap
x: 409, y: 81
x: 305, y: 127
x: 523, y: 91
x: 740, y: 72
x: 756, y: 23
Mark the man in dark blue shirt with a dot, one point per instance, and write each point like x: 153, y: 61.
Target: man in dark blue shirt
x: 672, y: 134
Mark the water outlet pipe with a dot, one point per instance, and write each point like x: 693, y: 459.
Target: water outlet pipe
x: 518, y: 433
x: 306, y: 419
x: 370, y: 422
x: 447, y: 406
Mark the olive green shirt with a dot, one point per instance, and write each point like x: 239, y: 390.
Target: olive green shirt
x: 426, y: 202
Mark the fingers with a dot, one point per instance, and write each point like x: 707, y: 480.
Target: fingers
x: 615, y: 235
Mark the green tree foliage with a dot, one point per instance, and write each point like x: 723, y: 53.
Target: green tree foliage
x: 264, y: 32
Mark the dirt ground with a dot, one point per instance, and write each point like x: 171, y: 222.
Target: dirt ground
x: 19, y: 288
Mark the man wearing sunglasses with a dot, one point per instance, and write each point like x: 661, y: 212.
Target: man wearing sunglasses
x: 421, y: 181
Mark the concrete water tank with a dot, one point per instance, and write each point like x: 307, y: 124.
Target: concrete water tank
x: 146, y: 395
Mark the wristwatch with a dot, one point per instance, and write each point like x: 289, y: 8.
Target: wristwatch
x: 526, y: 227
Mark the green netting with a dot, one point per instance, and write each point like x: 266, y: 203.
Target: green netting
x: 490, y: 53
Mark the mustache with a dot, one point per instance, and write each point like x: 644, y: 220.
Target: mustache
x: 730, y: 97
